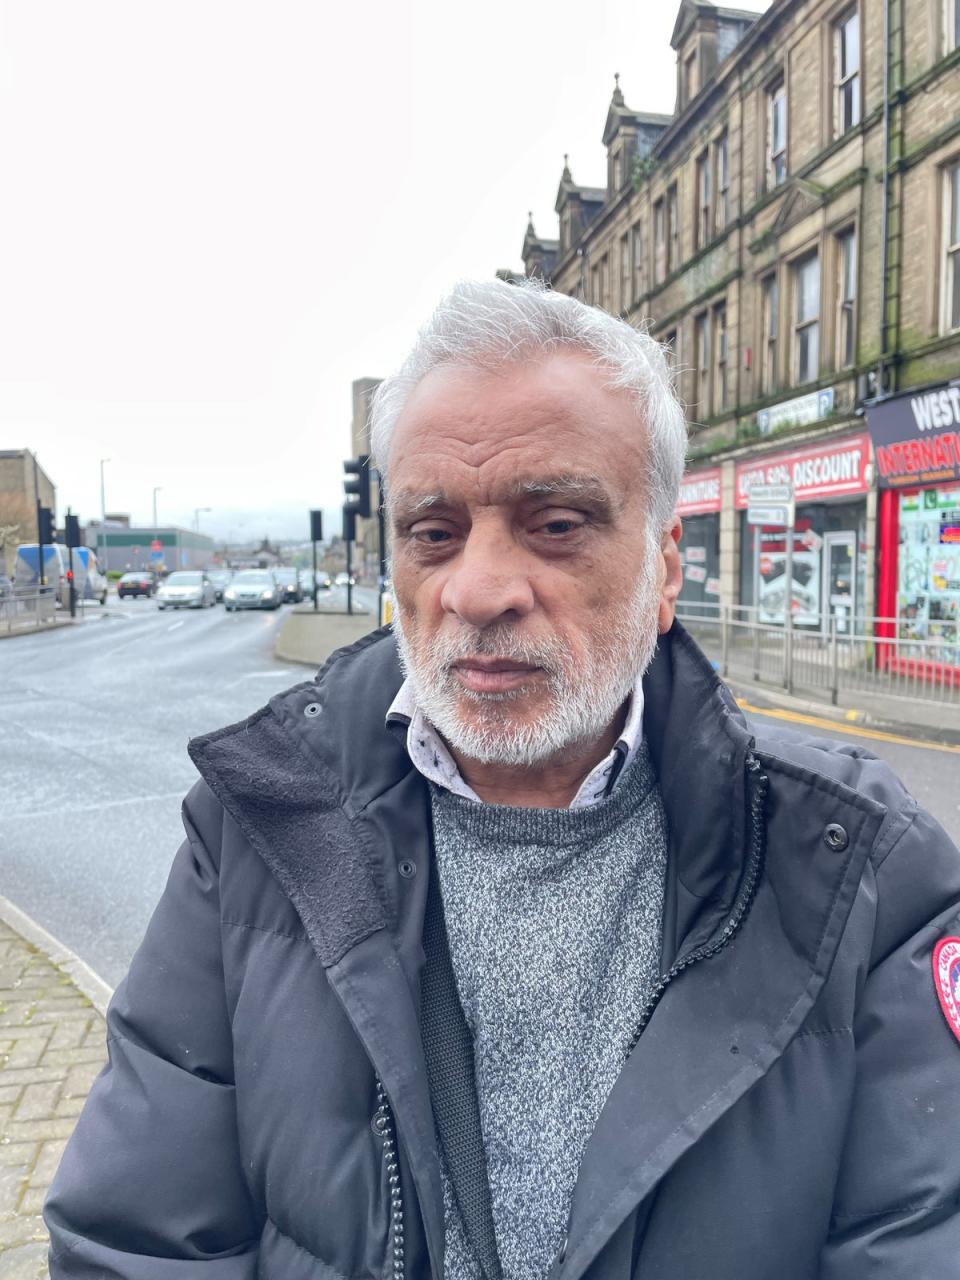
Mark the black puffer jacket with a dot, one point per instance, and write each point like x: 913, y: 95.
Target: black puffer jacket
x: 791, y: 1108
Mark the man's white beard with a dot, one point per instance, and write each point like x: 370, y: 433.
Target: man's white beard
x: 582, y: 703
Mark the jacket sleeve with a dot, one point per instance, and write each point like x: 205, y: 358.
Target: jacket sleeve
x: 897, y: 1200
x: 151, y: 1185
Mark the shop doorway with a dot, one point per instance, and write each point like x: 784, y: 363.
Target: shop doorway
x: 839, y: 579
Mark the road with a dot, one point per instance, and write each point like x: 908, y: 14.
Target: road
x: 94, y: 722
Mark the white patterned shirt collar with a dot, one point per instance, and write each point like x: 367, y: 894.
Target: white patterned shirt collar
x: 430, y: 755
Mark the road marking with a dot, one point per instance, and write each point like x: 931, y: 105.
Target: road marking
x: 818, y: 722
x: 98, y: 807
x: 175, y: 625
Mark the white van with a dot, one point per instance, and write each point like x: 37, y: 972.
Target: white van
x: 95, y: 585
x: 56, y: 566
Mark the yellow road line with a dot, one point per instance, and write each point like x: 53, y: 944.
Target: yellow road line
x: 851, y: 731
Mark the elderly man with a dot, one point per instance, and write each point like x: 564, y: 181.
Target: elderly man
x: 504, y: 948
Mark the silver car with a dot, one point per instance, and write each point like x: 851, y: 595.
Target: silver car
x: 253, y: 589
x: 186, y: 589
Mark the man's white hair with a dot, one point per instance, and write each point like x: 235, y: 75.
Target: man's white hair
x: 484, y: 324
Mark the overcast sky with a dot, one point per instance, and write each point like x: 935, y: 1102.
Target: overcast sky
x: 216, y: 214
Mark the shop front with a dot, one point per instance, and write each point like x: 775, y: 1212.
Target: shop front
x: 699, y: 509
x: 829, y: 482
x: 916, y: 440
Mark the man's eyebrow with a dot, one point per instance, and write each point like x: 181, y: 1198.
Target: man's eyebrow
x: 410, y: 503
x: 580, y: 488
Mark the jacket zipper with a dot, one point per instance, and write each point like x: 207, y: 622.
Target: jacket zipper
x: 385, y: 1127
x: 757, y: 782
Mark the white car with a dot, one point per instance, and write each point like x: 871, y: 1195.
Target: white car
x: 186, y: 589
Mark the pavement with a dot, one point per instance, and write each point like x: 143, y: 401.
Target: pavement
x: 52, y: 1046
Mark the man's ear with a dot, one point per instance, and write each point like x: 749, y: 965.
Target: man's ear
x: 672, y: 579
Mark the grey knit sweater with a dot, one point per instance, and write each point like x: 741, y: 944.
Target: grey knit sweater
x: 554, y: 924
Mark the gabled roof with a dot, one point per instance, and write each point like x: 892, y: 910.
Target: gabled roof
x: 619, y: 114
x: 568, y: 188
x: 690, y: 9
x: 533, y: 244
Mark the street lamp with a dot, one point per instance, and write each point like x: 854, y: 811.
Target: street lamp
x: 156, y: 490
x: 103, y: 516
x: 196, y: 517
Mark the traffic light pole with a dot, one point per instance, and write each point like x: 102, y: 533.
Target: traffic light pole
x: 382, y: 549
x: 349, y: 576
x: 40, y: 565
x: 315, y: 605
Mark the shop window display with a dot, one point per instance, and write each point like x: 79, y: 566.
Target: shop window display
x: 928, y: 571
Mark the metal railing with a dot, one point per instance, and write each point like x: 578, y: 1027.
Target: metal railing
x: 845, y: 654
x: 27, y: 607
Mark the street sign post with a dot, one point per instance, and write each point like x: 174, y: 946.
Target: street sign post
x: 773, y: 504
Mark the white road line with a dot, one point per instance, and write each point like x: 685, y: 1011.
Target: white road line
x: 59, y: 809
x: 175, y: 625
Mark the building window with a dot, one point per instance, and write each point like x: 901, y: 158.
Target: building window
x: 625, y: 272
x: 776, y: 135
x: 770, y: 329
x: 701, y: 355
x: 806, y: 325
x: 951, y: 26
x: 565, y: 231
x: 670, y: 342
x: 659, y: 242
x: 617, y: 171
x: 846, y: 298
x: 846, y: 73
x: 951, y: 254
x: 721, y: 182
x: 673, y: 229
x: 703, y: 199
x: 720, y: 358
x: 690, y: 78
x: 637, y: 262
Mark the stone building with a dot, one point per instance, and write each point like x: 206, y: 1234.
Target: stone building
x: 20, y: 478
x: 792, y: 231
x: 366, y: 547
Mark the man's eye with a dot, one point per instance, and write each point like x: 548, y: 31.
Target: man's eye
x: 556, y: 528
x: 431, y: 536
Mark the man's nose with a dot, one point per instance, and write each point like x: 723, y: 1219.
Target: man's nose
x: 489, y: 581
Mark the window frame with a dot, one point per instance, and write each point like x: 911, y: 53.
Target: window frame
x: 773, y: 91
x: 704, y: 209
x: 673, y: 228
x: 636, y: 235
x: 950, y: 253
x: 660, y: 240
x: 802, y: 327
x: 770, y: 333
x: 721, y: 183
x: 702, y: 363
x: 845, y: 345
x: 950, y: 27
x: 841, y: 79
x: 626, y: 273
x: 720, y: 355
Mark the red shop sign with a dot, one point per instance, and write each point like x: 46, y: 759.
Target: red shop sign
x: 699, y: 493
x: 831, y: 470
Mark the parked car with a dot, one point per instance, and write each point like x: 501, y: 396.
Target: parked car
x: 186, y: 589
x: 253, y: 589
x: 346, y: 579
x: 137, y: 583
x: 289, y: 583
x: 221, y: 579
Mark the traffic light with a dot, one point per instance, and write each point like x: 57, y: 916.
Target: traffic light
x: 71, y: 528
x: 349, y: 522
x: 46, y: 532
x: 316, y: 526
x: 358, y: 488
